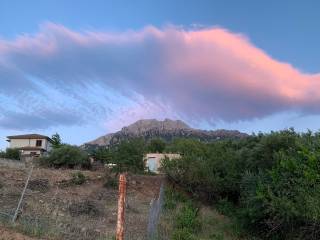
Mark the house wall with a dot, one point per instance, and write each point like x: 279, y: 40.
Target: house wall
x: 17, y: 143
x: 157, y: 158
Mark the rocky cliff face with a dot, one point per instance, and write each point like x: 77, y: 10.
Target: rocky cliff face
x: 166, y: 130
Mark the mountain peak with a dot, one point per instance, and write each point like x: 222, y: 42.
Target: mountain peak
x: 144, y: 125
x: 167, y: 130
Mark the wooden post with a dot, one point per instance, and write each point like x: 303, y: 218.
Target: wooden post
x: 121, y: 207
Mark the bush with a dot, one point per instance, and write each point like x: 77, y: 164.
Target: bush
x: 128, y: 156
x: 78, y: 178
x: 156, y: 146
x: 182, y: 234
x: 209, y: 171
x: 67, y: 156
x: 270, y: 182
x: 172, y: 198
x: 187, y: 218
x: 11, y: 153
x: 285, y: 201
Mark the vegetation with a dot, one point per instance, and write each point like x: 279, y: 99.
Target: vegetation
x: 10, y: 153
x: 111, y: 182
x: 56, y: 140
x: 269, y: 183
x: 127, y: 156
x: 185, y: 218
x: 67, y: 156
x: 156, y: 146
x: 78, y: 178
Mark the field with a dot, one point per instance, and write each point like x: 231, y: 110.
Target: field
x: 56, y: 206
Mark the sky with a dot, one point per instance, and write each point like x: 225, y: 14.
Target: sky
x: 87, y: 68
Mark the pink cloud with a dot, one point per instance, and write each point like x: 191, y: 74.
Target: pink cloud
x: 210, y: 74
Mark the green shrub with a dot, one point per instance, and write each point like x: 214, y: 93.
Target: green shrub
x: 286, y: 198
x: 182, y: 234
x: 128, y: 156
x: 187, y: 218
x: 269, y: 182
x: 102, y: 154
x: 156, y: 146
x: 209, y: 171
x: 78, y: 178
x: 67, y: 156
x: 172, y: 198
x: 10, y: 153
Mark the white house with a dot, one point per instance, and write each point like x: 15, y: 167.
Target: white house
x: 153, y: 160
x: 30, y: 144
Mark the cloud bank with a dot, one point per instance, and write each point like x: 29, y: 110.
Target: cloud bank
x: 207, y: 74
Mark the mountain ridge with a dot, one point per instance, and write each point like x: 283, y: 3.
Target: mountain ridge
x: 167, y: 130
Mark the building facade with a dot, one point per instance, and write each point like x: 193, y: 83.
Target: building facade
x: 31, y: 144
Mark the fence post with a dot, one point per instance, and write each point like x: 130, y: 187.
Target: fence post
x: 121, y: 207
x: 22, y: 195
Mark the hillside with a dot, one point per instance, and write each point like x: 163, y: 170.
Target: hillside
x: 166, y: 130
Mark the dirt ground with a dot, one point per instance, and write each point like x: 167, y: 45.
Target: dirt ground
x: 55, y: 207
x: 7, y: 234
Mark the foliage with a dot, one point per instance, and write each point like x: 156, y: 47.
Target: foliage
x: 187, y: 218
x: 272, y: 179
x: 78, y: 178
x: 285, y: 201
x: 67, y: 156
x: 128, y: 156
x: 103, y: 155
x: 56, y: 140
x: 11, y: 153
x: 156, y: 146
x: 186, y: 222
x: 209, y: 171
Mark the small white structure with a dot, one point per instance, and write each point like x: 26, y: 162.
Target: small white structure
x: 30, y: 144
x: 153, y: 160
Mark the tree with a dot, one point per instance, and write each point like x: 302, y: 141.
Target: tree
x: 103, y: 155
x: 129, y: 156
x: 10, y: 153
x: 67, y: 156
x: 56, y: 140
x: 156, y: 145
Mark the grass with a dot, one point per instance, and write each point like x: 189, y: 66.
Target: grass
x: 186, y: 219
x: 33, y: 227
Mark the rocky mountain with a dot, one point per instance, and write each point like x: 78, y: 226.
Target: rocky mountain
x: 166, y: 130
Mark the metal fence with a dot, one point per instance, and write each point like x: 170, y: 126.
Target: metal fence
x: 154, y: 215
x: 56, y: 206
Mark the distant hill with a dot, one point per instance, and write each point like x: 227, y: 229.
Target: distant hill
x: 166, y: 130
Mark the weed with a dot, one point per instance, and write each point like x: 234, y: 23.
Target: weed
x: 182, y: 234
x: 78, y: 178
x: 111, y: 182
x: 187, y: 218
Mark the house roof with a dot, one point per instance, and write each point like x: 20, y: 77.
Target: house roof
x: 29, y: 136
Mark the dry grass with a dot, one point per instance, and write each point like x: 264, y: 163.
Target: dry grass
x: 55, y: 208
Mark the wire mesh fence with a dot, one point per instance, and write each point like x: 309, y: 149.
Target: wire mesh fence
x: 59, y: 205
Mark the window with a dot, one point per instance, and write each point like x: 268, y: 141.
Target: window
x: 39, y: 143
